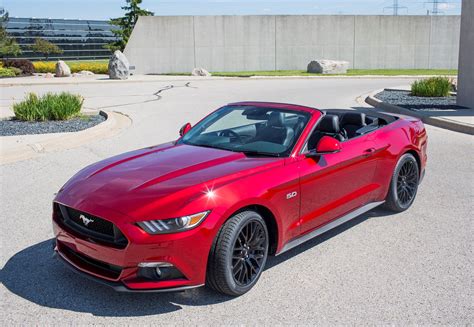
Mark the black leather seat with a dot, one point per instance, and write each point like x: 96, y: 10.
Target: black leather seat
x: 328, y: 126
x: 275, y: 130
x: 299, y: 126
x: 352, y: 121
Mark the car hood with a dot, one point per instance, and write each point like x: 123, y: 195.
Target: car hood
x: 129, y: 182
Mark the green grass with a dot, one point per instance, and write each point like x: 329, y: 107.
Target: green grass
x: 432, y: 87
x: 350, y: 72
x: 50, y: 106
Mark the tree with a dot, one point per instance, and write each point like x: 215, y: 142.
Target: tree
x: 126, y: 24
x: 45, y: 47
x: 8, y: 45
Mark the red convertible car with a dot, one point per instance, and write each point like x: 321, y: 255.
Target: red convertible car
x: 250, y: 180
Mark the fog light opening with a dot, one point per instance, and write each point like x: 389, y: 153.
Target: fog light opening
x: 158, y: 271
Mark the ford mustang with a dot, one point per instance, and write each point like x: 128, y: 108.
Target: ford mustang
x: 250, y: 180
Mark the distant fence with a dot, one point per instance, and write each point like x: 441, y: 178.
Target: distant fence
x: 166, y: 44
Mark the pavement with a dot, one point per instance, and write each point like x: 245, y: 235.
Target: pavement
x: 415, y: 267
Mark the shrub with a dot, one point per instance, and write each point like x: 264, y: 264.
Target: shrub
x: 97, y: 67
x: 7, y: 72
x: 44, y: 66
x: 24, y: 65
x: 17, y: 71
x: 48, y: 107
x: 431, y: 87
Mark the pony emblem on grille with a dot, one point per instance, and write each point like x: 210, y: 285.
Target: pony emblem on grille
x: 86, y: 221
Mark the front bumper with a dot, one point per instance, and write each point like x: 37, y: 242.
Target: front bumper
x: 118, y: 268
x: 118, y: 286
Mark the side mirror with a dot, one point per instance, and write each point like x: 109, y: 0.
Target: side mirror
x: 186, y: 127
x: 325, y: 145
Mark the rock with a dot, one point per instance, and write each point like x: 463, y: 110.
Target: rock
x: 328, y: 67
x: 86, y: 73
x: 76, y: 75
x: 200, y: 72
x: 62, y: 69
x: 119, y: 68
x: 48, y: 75
x: 454, y: 84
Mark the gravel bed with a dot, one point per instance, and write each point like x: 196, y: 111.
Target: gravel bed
x: 17, y: 127
x: 405, y: 100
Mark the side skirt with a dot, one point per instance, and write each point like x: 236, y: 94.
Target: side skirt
x: 339, y: 221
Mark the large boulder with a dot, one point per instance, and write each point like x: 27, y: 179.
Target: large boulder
x: 200, y: 72
x: 328, y: 67
x: 62, y: 69
x: 119, y: 68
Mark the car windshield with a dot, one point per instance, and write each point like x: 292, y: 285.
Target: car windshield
x: 252, y: 130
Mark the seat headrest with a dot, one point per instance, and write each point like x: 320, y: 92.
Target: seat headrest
x: 353, y: 118
x: 276, y: 119
x: 329, y: 124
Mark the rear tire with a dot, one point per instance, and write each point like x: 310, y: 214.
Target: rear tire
x: 238, y: 254
x: 404, y: 184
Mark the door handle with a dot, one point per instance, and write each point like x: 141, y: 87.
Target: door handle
x: 369, y: 152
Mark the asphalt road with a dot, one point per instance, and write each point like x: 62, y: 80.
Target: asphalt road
x: 410, y: 268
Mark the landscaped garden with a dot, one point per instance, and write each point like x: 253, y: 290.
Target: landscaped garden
x: 16, y: 67
x: 49, y: 113
x: 23, y: 67
x: 94, y: 66
x: 430, y: 94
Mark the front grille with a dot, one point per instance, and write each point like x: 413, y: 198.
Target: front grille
x: 89, y: 227
x: 97, y: 224
x: 87, y: 263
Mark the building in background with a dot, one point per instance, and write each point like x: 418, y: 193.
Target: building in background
x: 79, y: 39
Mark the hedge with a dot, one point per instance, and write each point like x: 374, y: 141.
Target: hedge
x: 76, y: 67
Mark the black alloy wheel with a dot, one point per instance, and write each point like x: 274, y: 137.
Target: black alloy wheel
x: 238, y: 254
x: 249, y: 253
x: 407, y: 182
x: 404, y: 184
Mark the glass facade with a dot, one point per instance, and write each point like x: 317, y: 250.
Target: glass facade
x: 79, y: 39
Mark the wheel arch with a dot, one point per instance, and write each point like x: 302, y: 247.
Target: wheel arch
x: 417, y: 158
x: 270, y: 220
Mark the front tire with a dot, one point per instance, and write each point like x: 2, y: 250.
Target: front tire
x: 404, y: 184
x: 238, y: 254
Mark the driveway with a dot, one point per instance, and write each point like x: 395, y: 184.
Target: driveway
x: 410, y: 268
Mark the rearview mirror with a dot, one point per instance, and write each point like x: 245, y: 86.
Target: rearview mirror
x: 325, y: 145
x: 186, y: 127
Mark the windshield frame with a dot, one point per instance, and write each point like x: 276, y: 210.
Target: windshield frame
x: 216, y: 115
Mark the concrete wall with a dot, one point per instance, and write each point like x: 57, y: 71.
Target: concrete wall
x: 165, y: 44
x: 231, y: 43
x: 466, y: 56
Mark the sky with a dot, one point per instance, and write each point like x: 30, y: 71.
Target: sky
x: 105, y: 9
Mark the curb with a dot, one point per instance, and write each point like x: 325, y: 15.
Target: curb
x: 114, y: 123
x: 173, y: 78
x: 445, y: 123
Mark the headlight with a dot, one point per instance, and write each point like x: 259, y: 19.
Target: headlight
x: 173, y: 225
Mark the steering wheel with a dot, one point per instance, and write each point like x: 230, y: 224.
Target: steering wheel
x: 231, y: 133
